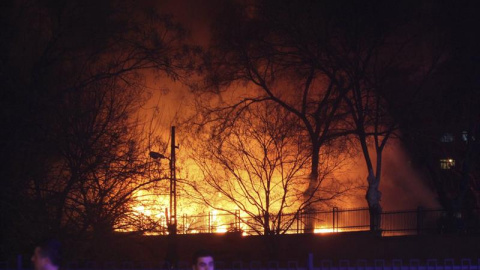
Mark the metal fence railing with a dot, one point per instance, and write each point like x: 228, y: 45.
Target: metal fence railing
x: 405, y: 222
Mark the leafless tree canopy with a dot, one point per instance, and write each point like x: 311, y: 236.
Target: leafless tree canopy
x: 72, y: 78
x: 261, y: 168
x: 330, y: 66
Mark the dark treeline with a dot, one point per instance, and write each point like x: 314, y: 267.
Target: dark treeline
x: 72, y: 149
x: 444, y: 120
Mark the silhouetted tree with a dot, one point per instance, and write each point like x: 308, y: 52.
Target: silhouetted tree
x: 71, y: 78
x: 259, y: 168
x: 331, y: 65
x: 443, y: 121
x: 281, y: 51
x: 377, y: 43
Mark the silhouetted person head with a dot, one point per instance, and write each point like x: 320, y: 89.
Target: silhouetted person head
x: 203, y: 260
x: 47, y: 255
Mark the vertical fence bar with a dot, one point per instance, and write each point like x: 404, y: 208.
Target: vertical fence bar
x: 209, y: 222
x: 333, y: 219
x: 237, y: 220
x: 19, y: 262
x: 297, y: 216
x: 419, y: 219
x: 184, y: 221
x: 310, y: 261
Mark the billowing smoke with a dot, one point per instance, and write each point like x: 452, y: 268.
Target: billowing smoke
x: 402, y: 187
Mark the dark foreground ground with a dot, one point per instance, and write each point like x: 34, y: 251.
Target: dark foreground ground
x: 230, y: 248
x: 234, y: 251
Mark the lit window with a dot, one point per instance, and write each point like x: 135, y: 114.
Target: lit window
x: 464, y: 136
x: 447, y: 137
x: 447, y: 164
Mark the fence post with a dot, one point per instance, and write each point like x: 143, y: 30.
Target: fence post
x: 310, y: 261
x: 209, y: 229
x: 184, y: 223
x: 237, y: 220
x: 303, y: 221
x: 419, y: 220
x: 297, y: 215
x: 334, y: 219
x: 19, y: 262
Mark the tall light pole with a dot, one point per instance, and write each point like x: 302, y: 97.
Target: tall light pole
x: 172, y: 229
x: 172, y: 220
x: 171, y: 256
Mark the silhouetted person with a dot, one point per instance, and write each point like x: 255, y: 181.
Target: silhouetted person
x: 203, y: 260
x: 47, y: 255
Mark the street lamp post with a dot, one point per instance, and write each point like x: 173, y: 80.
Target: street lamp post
x: 173, y: 187
x: 171, y: 256
x: 172, y: 220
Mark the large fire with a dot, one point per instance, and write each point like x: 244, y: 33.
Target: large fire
x: 208, y: 220
x: 221, y: 216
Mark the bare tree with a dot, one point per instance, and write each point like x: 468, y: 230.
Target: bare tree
x: 260, y: 169
x: 73, y: 78
x: 102, y: 160
x: 328, y: 64
x: 281, y: 52
x: 444, y: 121
x: 377, y: 46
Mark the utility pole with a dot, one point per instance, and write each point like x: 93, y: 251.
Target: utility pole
x: 172, y: 226
x: 171, y: 254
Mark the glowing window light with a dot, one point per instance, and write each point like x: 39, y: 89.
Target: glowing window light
x: 447, y: 163
x: 446, y: 138
x: 465, y: 136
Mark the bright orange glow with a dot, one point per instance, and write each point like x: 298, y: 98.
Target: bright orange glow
x: 217, y: 225
x: 323, y: 230
x: 195, y: 217
x: 221, y: 229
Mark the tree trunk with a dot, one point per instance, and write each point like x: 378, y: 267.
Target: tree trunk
x: 373, y: 197
x: 312, y: 187
x: 266, y: 224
